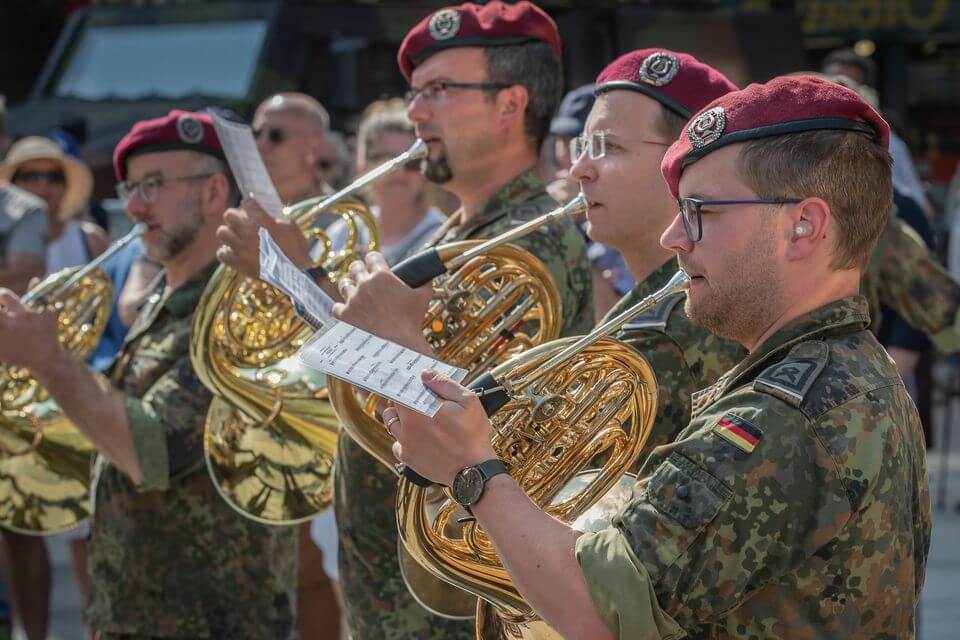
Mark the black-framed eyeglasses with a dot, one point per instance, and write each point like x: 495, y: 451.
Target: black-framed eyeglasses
x: 693, y: 219
x: 148, y: 187
x: 438, y: 88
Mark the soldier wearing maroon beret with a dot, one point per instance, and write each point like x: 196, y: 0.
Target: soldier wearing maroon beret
x: 643, y: 100
x: 795, y: 503
x: 168, y: 558
x: 484, y: 82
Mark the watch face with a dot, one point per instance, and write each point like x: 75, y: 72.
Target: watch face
x: 468, y: 486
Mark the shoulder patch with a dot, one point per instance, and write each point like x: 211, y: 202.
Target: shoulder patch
x: 738, y: 431
x: 656, y: 317
x: 791, y: 378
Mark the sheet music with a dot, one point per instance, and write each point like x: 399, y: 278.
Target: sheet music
x: 377, y: 365
x: 247, y: 165
x: 310, y: 301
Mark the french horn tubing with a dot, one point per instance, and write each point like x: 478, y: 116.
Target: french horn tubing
x: 44, y: 459
x: 555, y: 410
x: 269, y: 445
x: 491, y: 301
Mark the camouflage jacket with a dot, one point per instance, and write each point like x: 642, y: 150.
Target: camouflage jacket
x: 684, y: 356
x: 169, y: 558
x: 795, y: 504
x: 377, y: 602
x: 904, y: 275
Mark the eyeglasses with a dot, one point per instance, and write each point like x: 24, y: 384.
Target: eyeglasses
x: 595, y: 145
x: 53, y: 176
x: 148, y: 188
x: 693, y: 219
x: 438, y: 88
x: 275, y: 135
x: 380, y: 158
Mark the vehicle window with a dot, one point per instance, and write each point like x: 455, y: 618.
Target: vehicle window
x: 214, y: 59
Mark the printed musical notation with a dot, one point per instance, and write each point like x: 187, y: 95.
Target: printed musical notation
x: 377, y: 365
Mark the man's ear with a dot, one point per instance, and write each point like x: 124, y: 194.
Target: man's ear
x: 810, y: 229
x: 216, y: 195
x: 512, y: 103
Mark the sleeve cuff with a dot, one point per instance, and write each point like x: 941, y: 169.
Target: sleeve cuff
x: 947, y: 341
x: 621, y: 589
x: 150, y: 443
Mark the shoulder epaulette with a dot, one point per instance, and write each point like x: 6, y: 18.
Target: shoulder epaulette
x: 791, y: 378
x: 657, y: 316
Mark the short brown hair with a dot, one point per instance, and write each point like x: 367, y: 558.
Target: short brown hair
x: 848, y: 170
x: 670, y: 124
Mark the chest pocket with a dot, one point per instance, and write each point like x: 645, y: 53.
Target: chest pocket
x: 686, y: 493
x: 152, y: 356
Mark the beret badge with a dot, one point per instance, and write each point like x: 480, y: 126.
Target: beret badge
x: 444, y: 24
x: 707, y: 128
x: 659, y: 68
x: 189, y: 129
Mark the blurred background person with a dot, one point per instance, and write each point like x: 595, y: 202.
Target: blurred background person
x: 611, y: 277
x: 36, y: 164
x: 400, y: 201
x: 863, y: 71
x: 334, y: 164
x: 291, y: 131
x: 23, y: 229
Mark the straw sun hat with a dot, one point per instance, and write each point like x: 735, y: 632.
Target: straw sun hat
x: 79, y: 178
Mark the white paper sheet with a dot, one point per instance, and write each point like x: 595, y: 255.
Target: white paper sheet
x: 247, y: 165
x: 309, y: 300
x: 377, y: 365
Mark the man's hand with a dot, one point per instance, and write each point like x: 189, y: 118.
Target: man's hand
x: 377, y: 301
x: 437, y: 448
x: 28, y: 338
x: 240, y: 242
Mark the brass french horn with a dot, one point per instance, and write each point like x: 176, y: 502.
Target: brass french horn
x: 268, y: 443
x: 492, y: 300
x: 555, y: 410
x: 44, y: 460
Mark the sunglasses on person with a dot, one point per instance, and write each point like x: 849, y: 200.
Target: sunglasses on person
x: 275, y: 135
x: 53, y: 176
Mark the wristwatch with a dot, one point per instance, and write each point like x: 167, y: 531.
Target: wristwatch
x: 469, y: 483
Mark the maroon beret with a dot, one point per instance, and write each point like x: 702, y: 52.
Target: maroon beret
x: 678, y: 81
x: 475, y: 25
x: 176, y: 130
x: 788, y: 104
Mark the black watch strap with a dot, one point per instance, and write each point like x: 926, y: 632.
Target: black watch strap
x: 490, y: 468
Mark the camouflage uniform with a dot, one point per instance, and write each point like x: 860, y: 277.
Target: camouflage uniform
x: 685, y: 357
x: 377, y: 602
x: 904, y: 275
x: 795, y: 504
x: 169, y: 558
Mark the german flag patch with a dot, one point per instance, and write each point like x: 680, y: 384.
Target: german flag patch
x: 738, y: 432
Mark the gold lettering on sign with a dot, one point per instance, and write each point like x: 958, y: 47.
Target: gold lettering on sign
x: 867, y: 15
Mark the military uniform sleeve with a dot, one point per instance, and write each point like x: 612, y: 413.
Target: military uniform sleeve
x: 166, y: 425
x: 909, y: 280
x: 29, y: 234
x: 745, y: 496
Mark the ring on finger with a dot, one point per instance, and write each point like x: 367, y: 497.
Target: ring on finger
x: 391, y: 421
